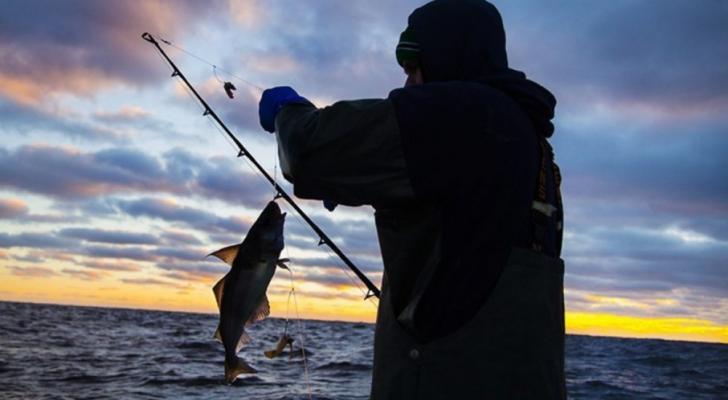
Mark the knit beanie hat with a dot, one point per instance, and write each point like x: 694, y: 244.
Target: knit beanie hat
x: 408, y: 49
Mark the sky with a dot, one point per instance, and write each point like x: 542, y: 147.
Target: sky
x: 114, y: 187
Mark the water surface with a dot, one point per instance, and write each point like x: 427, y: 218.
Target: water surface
x: 63, y: 352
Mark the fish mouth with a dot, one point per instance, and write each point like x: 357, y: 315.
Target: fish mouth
x: 272, y: 207
x: 269, y: 226
x: 271, y: 215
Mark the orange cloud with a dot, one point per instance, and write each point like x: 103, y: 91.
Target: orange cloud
x: 32, y: 272
x: 34, y: 87
x: 249, y: 13
x: 10, y: 208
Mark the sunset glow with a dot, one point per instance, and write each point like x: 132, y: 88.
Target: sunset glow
x: 114, y: 188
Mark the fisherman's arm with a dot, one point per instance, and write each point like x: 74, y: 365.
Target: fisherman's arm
x: 349, y: 152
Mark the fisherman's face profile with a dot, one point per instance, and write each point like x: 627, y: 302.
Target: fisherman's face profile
x: 414, y: 73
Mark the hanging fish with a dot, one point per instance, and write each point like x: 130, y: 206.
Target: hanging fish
x: 241, y: 293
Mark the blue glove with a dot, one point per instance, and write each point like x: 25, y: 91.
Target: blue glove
x: 272, y: 101
x: 330, y: 205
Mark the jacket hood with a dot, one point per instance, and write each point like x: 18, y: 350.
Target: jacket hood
x: 464, y: 40
x: 535, y: 100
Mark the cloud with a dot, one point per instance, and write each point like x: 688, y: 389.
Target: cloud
x: 34, y: 258
x: 84, y: 275
x: 135, y: 253
x: 151, y: 281
x: 25, y: 121
x: 12, y: 208
x: 32, y: 272
x: 673, y: 65
x: 176, y: 237
x: 35, y: 240
x: 194, y: 270
x: 69, y: 173
x: 107, y: 236
x: 352, y: 236
x: 616, y: 260
x: 82, y: 47
x: 182, y: 253
x: 170, y: 210
x: 124, y: 115
x: 123, y: 266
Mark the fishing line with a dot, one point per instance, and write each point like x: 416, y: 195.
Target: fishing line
x: 335, y: 260
x: 214, y: 67
x: 328, y: 252
x: 243, y: 152
x: 301, y: 326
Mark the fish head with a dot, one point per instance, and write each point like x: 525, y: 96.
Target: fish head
x: 268, y: 228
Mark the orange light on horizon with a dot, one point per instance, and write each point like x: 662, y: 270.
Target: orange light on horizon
x: 314, y: 301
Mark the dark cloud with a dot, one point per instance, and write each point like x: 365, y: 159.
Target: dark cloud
x: 107, y: 236
x: 173, y: 212
x: 330, y: 48
x: 179, y: 238
x: 135, y: 253
x: 665, y: 165
x: 80, y: 47
x: 328, y: 276
x: 195, y: 270
x: 624, y: 51
x: 36, y: 240
x: 352, y: 236
x: 182, y: 253
x: 72, y: 174
x: 221, y: 178
x: 67, y: 173
x: 624, y: 260
x: 30, y: 258
x: 131, y: 160
x: 330, y: 260
x: 25, y: 121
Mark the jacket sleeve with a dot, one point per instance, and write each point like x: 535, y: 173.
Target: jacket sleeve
x: 349, y: 152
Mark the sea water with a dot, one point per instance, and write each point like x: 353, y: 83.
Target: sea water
x: 63, y: 352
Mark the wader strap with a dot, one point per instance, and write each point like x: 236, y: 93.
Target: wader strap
x: 541, y: 209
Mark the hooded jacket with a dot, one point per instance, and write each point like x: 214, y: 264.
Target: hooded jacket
x: 470, y: 137
x: 450, y: 166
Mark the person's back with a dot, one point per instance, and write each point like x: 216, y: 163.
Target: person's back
x: 468, y: 213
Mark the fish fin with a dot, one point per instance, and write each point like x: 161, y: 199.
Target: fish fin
x: 261, y: 312
x: 244, y: 339
x: 227, y: 254
x: 217, y: 336
x: 282, y: 263
x: 236, y: 367
x: 218, y: 289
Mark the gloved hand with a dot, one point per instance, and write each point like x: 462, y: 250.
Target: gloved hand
x: 272, y: 101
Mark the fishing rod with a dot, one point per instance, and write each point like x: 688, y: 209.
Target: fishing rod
x: 280, y: 193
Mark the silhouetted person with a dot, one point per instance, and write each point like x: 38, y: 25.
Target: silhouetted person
x: 468, y: 211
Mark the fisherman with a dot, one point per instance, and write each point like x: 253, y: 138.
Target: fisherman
x: 468, y: 212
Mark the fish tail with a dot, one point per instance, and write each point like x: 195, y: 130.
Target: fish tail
x: 271, y: 353
x: 236, y: 366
